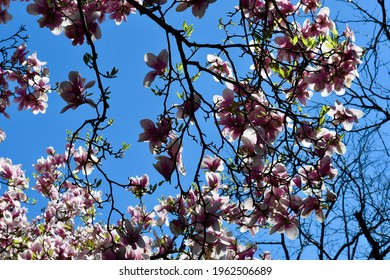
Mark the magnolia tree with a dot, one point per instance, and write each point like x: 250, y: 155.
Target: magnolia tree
x: 266, y: 141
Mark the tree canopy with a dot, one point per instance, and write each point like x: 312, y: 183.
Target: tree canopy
x: 270, y: 140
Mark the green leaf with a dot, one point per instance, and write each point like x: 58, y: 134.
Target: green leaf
x: 188, y: 29
x: 194, y: 78
x: 125, y: 146
x: 87, y: 58
x: 179, y: 67
x: 294, y: 40
x: 180, y: 95
x: 304, y: 41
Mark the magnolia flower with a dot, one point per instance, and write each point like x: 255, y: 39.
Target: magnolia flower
x: 345, y: 116
x: 330, y: 196
x: 85, y: 161
x: 120, y: 10
x: 139, y: 185
x: 199, y: 7
x: 20, y: 54
x: 165, y: 166
x: 348, y: 33
x: 213, y: 164
x: 311, y: 204
x: 310, y: 5
x: 2, y: 135
x: 220, y: 67
x: 284, y: 223
x: 74, y: 91
x: 155, y: 135
x: 266, y: 255
x: 323, y: 22
x: 159, y: 64
x: 74, y: 29
x: 189, y: 107
x: 51, y: 17
x: 4, y: 16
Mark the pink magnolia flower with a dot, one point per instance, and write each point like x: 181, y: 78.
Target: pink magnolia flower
x: 229, y: 117
x: 2, y: 135
x: 323, y: 22
x: 284, y: 223
x: 309, y: 29
x: 266, y: 255
x: 330, y: 196
x: 225, y: 101
x: 287, y: 51
x: 33, y: 62
x: 51, y: 16
x: 4, y: 103
x: 348, y: 33
x: 175, y: 151
x: 199, y: 7
x: 299, y: 92
x: 318, y: 80
x: 5, y: 3
x: 139, y: 185
x: 311, y: 204
x: 213, y: 179
x: 20, y: 54
x: 37, y: 100
x: 74, y: 27
x: 165, y: 166
x: 159, y: 64
x: 208, y: 214
x: 325, y: 168
x: 4, y: 16
x: 84, y: 160
x: 13, y: 173
x: 345, y: 116
x: 285, y: 7
x: 156, y: 135
x: 189, y: 107
x: 327, y: 142
x: 213, y: 164
x: 177, y: 227
x: 220, y: 67
x: 310, y: 5
x: 120, y: 10
x: 131, y: 235
x: 74, y: 91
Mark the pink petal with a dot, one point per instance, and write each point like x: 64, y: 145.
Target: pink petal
x: 292, y: 232
x: 163, y: 57
x: 149, y: 78
x: 182, y: 7
x: 151, y: 60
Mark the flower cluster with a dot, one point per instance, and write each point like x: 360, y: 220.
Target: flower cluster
x: 65, y: 17
x: 31, y: 79
x: 282, y: 157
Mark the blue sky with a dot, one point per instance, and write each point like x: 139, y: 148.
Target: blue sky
x: 121, y: 46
